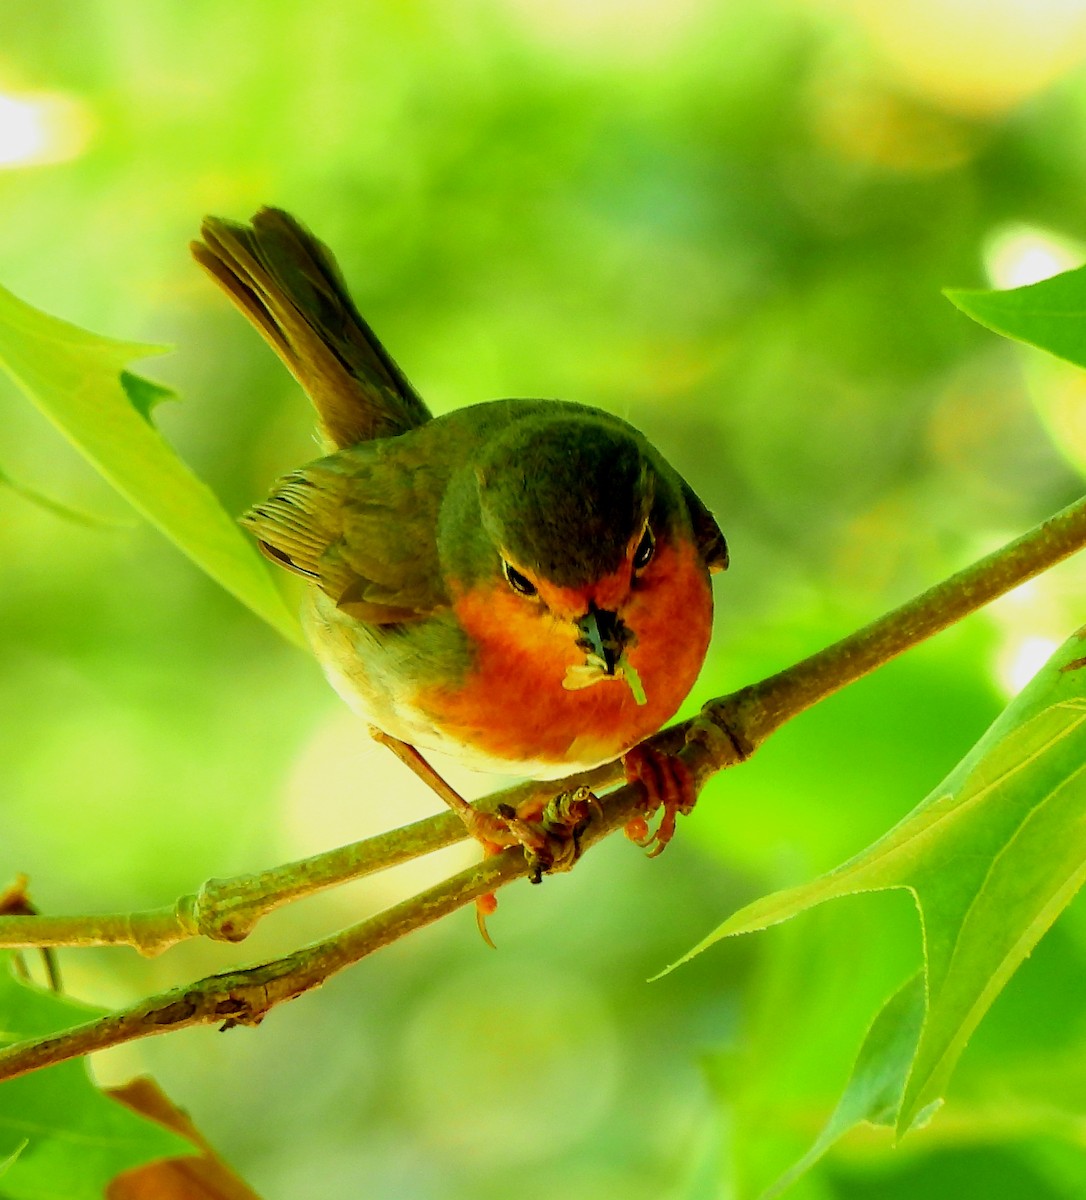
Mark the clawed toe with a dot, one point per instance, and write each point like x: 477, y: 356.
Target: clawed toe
x: 669, y: 786
x: 549, y: 833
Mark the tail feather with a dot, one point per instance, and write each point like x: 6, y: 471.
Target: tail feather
x: 289, y: 286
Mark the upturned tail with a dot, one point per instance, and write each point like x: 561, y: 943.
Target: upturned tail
x: 289, y: 285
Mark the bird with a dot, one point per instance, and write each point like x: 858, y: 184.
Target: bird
x: 522, y: 584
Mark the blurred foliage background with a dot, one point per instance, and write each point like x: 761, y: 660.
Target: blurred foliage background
x: 727, y: 222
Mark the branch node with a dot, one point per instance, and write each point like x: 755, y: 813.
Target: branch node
x: 714, y: 740
x: 240, y: 1011
x: 222, y: 909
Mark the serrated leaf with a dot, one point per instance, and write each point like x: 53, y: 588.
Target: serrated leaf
x: 66, y: 1140
x: 875, y: 1089
x: 79, y: 381
x: 808, y: 1006
x: 991, y: 857
x: 1050, y: 314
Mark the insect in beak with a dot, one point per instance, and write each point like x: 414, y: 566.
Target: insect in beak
x: 604, y: 635
x: 605, y: 638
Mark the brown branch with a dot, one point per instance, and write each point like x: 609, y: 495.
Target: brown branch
x: 227, y: 910
x: 727, y: 732
x: 764, y: 707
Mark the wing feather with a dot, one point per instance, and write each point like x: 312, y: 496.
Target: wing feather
x: 361, y: 524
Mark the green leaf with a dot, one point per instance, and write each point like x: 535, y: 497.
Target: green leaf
x: 808, y: 1003
x: 877, y: 1084
x: 62, y: 1138
x: 145, y: 394
x: 1050, y: 314
x: 75, y: 515
x: 82, y: 384
x: 991, y: 858
x: 9, y: 1159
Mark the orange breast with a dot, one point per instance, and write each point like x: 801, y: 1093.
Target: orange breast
x: 512, y: 704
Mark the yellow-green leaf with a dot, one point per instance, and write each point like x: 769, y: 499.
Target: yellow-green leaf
x: 63, y: 511
x: 1050, y: 314
x: 59, y: 1135
x: 875, y: 1088
x: 991, y: 858
x: 82, y: 383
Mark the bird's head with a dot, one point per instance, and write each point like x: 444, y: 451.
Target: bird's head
x: 568, y: 522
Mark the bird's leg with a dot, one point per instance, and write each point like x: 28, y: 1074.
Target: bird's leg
x: 496, y: 831
x: 547, y: 829
x: 482, y: 826
x: 668, y: 785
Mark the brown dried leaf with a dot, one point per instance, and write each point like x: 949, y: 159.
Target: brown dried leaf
x: 201, y: 1176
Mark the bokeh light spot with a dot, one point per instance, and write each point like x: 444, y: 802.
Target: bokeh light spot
x: 344, y: 787
x: 638, y: 30
x: 974, y: 57
x: 1020, y: 659
x: 860, y: 121
x: 1018, y: 255
x: 42, y: 127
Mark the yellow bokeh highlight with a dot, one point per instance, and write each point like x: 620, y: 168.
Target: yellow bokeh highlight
x: 608, y: 30
x: 976, y: 58
x: 344, y: 787
x: 1018, y: 255
x: 1020, y: 659
x: 1032, y: 622
x: 37, y: 128
x: 1059, y: 393
x: 859, y: 120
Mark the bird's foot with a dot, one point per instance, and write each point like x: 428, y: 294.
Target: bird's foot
x: 669, y: 786
x: 550, y: 831
x: 547, y: 830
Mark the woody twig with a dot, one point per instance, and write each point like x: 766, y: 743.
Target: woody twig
x: 727, y: 732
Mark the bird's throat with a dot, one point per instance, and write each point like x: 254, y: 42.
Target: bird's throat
x: 516, y: 701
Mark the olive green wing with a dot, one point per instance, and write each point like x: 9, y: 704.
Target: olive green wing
x: 361, y: 525
x: 290, y: 287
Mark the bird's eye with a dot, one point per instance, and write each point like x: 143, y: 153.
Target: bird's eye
x: 646, y: 548
x: 517, y: 581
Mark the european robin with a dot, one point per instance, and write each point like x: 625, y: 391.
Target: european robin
x: 522, y: 584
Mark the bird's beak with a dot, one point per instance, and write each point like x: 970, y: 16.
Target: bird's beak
x: 604, y: 636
